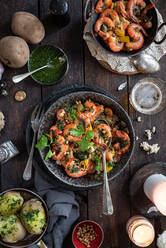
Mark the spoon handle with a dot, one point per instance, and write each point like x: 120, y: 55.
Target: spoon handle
x: 19, y: 78
x: 107, y: 201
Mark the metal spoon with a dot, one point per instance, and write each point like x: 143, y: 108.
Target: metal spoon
x: 107, y: 200
x: 19, y: 78
x: 41, y: 244
x: 145, y: 63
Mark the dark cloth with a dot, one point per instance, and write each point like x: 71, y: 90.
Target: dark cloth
x: 63, y: 211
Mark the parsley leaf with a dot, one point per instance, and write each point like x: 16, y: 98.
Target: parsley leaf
x: 42, y: 143
x: 89, y: 135
x: 49, y: 154
x: 78, y: 131
x: 51, y: 139
x: 97, y: 162
x: 83, y: 144
x: 72, y: 112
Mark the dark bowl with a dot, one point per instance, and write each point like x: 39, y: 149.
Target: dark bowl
x: 148, y: 40
x: 58, y: 52
x: 88, y: 181
x: 30, y: 239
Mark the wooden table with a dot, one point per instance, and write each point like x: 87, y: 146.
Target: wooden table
x: 83, y: 69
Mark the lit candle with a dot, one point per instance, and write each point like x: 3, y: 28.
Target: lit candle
x: 155, y: 190
x: 140, y: 231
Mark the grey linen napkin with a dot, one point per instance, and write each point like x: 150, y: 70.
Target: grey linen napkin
x: 63, y: 211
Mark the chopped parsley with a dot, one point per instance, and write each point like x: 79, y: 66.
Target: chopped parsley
x: 78, y: 131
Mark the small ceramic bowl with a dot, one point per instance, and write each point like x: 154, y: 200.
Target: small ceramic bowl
x: 42, y: 55
x: 96, y: 243
x: 30, y: 239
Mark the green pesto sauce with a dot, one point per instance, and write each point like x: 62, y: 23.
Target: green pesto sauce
x: 47, y: 55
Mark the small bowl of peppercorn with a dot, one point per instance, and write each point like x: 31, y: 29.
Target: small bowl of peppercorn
x: 87, y: 234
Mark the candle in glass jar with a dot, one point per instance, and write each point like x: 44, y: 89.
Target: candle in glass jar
x: 155, y: 190
x: 140, y: 231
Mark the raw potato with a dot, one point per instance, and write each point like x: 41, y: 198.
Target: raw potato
x: 33, y: 216
x: 28, y: 27
x: 14, y: 51
x: 11, y: 229
x: 10, y: 203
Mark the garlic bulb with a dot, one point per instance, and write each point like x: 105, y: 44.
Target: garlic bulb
x: 161, y: 241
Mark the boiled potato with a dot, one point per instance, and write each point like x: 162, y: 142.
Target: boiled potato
x: 28, y: 27
x: 10, y: 203
x: 33, y: 216
x: 11, y: 229
x: 14, y: 51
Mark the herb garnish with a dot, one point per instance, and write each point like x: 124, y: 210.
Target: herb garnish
x: 43, y: 143
x: 97, y: 162
x: 84, y: 142
x: 78, y: 131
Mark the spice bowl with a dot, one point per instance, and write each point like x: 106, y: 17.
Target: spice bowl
x: 84, y: 229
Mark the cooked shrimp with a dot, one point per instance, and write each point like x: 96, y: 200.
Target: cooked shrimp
x: 59, y: 152
x: 124, y: 23
x: 89, y: 113
x: 103, y: 26
x: 111, y: 14
x: 110, y: 154
x: 120, y: 7
x: 54, y: 130
x: 135, y: 45
x: 147, y: 24
x: 59, y: 139
x: 122, y: 142
x: 102, y: 5
x: 108, y: 112
x: 60, y: 114
x: 102, y: 132
x: 76, y: 170
x: 99, y: 110
x: 134, y: 31
x: 67, y: 133
x: 113, y: 43
x: 134, y: 8
x: 146, y: 21
x: 145, y: 10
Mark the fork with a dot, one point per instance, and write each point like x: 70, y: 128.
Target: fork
x: 36, y: 117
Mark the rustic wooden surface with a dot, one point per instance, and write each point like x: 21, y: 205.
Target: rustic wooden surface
x: 83, y: 69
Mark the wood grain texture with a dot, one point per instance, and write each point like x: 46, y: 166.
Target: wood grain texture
x: 68, y: 38
x: 16, y: 114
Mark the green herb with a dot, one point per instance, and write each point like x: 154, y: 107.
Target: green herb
x: 49, y: 154
x: 74, y: 169
x: 111, y: 164
x: 78, y: 131
x: 80, y: 155
x: 83, y: 144
x: 97, y: 162
x: 61, y: 127
x: 50, y: 137
x: 89, y: 135
x: 42, y: 143
x: 72, y: 112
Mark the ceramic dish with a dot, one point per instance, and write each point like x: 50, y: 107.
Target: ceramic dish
x: 88, y: 181
x: 30, y: 239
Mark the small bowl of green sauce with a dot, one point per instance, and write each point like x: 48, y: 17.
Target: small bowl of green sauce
x: 51, y: 55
